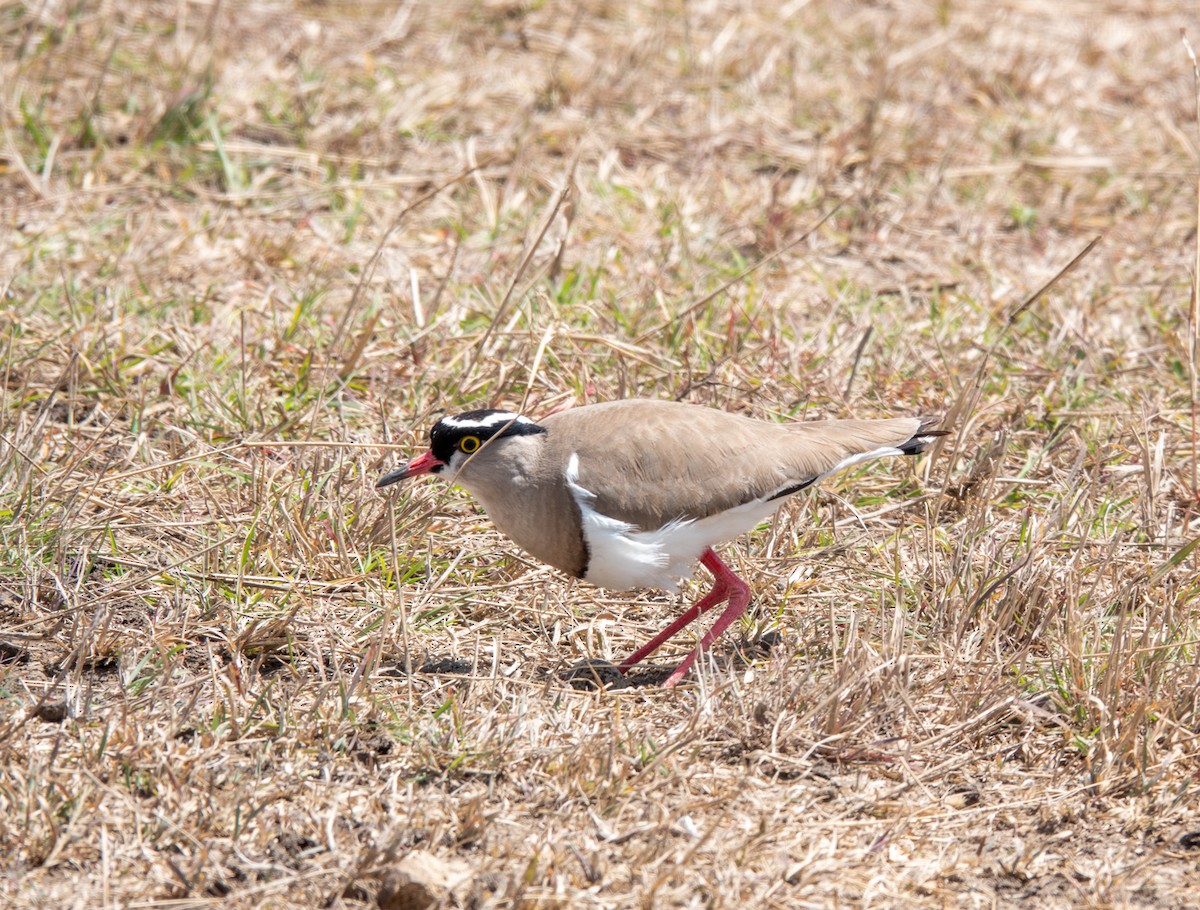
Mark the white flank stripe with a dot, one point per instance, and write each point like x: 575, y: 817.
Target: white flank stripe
x: 622, y: 557
x: 851, y: 460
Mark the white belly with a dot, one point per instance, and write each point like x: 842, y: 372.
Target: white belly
x: 623, y: 557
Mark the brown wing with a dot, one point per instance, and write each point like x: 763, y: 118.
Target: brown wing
x: 651, y: 462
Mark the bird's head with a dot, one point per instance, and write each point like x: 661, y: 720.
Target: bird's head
x: 455, y: 440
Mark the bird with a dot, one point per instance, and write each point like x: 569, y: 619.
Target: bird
x: 633, y: 493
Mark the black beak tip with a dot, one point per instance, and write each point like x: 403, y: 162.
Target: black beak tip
x: 388, y: 479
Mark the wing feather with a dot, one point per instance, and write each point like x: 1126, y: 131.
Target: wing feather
x: 653, y: 462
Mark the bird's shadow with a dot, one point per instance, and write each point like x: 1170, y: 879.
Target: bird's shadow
x: 595, y: 673
x: 432, y: 666
x: 586, y: 675
x: 589, y: 674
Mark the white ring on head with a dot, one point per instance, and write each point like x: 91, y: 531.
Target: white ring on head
x: 498, y: 419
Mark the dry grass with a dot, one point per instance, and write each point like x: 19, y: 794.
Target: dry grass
x: 983, y: 684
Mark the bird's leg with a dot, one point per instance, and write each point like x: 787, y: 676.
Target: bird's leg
x: 724, y: 581
x: 737, y: 592
x: 717, y: 595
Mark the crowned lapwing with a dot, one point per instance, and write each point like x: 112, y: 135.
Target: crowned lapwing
x: 631, y: 494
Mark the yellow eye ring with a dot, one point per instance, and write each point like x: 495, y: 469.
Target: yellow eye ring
x: 469, y: 444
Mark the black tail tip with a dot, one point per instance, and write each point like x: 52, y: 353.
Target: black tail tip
x: 925, y: 436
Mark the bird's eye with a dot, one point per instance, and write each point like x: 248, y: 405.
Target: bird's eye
x: 469, y: 444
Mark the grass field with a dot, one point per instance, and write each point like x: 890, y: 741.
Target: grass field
x: 253, y: 249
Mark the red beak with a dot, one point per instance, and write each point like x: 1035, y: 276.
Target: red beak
x: 422, y: 464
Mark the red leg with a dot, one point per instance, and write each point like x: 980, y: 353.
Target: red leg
x: 739, y: 597
x: 717, y: 595
x: 726, y: 587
